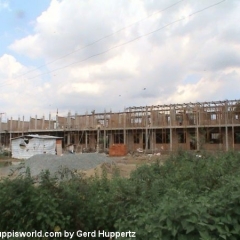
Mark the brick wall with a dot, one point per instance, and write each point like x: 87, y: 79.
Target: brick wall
x: 118, y: 150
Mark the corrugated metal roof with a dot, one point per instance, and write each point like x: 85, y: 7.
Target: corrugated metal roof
x: 37, y: 136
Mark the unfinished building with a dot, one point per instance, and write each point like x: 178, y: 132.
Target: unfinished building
x: 162, y: 128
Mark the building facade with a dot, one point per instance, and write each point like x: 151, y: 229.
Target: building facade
x: 211, y: 126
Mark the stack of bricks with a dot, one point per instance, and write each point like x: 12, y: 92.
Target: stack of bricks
x: 117, y: 150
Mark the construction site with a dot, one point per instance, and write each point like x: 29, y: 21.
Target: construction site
x: 210, y: 126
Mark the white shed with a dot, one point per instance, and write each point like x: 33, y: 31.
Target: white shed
x: 24, y: 147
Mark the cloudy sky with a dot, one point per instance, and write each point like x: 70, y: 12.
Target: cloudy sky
x: 84, y: 55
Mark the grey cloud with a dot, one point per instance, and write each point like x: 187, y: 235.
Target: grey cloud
x: 214, y: 58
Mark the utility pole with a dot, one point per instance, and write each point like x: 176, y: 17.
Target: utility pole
x: 1, y: 128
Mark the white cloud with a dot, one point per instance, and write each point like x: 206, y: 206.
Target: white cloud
x: 9, y: 68
x: 151, y: 70
x: 18, y: 94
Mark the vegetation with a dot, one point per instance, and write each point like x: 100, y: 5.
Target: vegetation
x: 189, y: 197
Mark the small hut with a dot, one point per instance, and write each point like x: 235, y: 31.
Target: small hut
x: 26, y: 146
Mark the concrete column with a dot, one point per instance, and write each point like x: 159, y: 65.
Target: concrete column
x: 197, y: 135
x: 171, y: 139
x: 151, y: 145
x: 104, y: 132
x: 57, y: 124
x: 98, y: 131
x: 35, y: 122
x: 0, y: 129
x: 23, y: 125
x: 68, y: 138
x: 43, y: 121
x: 171, y: 130
x: 146, y: 130
x: 226, y: 113
x: 76, y: 125
x: 18, y: 125
x: 233, y: 142
x: 76, y: 138
x: 93, y: 119
x: 226, y: 138
x: 198, y: 114
x: 86, y: 139
x: 124, y: 128
x: 10, y: 134
x: 86, y: 120
x: 49, y: 122
x: 111, y: 140
x: 154, y: 139
x: 69, y: 120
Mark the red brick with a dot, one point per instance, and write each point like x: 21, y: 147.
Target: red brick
x: 117, y: 150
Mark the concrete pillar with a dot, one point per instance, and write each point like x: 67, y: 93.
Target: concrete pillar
x: 197, y: 135
x: 93, y: 119
x: 233, y: 142
x: 124, y: 129
x: 10, y: 134
x: 69, y: 120
x: 104, y: 132
x: 98, y: 131
x: 76, y: 125
x: 49, y: 122
x: 57, y: 124
x: 43, y: 121
x: 226, y: 113
x: 171, y: 130
x: 226, y: 138
x: 130, y: 140
x: 151, y: 143
x: 35, y: 127
x: 23, y: 125
x: 146, y: 130
x: 68, y: 138
x: 18, y: 125
x: 0, y: 129
x: 86, y: 139
x: 111, y: 140
x: 197, y: 128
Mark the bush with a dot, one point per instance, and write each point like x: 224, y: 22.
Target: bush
x: 186, y: 198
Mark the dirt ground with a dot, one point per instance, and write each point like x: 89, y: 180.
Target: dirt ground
x: 124, y: 165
